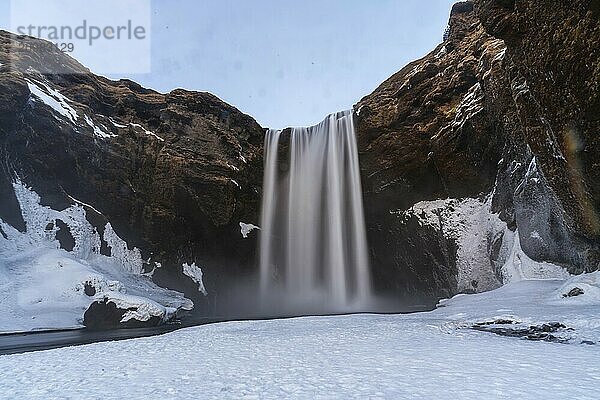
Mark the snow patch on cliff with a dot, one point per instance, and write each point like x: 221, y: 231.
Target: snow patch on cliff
x: 476, y: 230
x: 97, y: 130
x: 53, y: 99
x: 470, y: 106
x: 468, y: 222
x: 146, y: 131
x: 245, y: 229
x: 195, y: 273
x: 44, y: 287
x: 130, y: 260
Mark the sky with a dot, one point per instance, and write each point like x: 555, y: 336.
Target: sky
x: 284, y: 62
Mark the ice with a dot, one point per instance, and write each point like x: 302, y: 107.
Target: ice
x: 245, y: 229
x: 53, y: 99
x: 195, y: 273
x: 425, y: 355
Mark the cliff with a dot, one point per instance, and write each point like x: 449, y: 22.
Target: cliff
x: 173, y: 173
x: 504, y: 111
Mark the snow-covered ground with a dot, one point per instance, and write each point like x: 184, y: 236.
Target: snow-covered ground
x: 425, y: 355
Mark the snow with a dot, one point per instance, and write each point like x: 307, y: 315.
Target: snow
x: 146, y: 131
x: 54, y: 100
x: 116, y: 124
x: 494, y: 52
x: 589, y: 283
x: 245, y: 229
x: 472, y: 225
x: 425, y: 355
x: 195, y: 273
x: 500, y: 56
x: 42, y: 286
x: 135, y: 126
x: 140, y: 308
x: 470, y: 106
x: 131, y: 260
x: 232, y: 167
x: 443, y: 51
x: 469, y: 222
x: 84, y: 204
x: 519, y: 266
x: 519, y: 89
x: 97, y: 130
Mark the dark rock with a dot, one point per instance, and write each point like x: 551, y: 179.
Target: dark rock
x: 497, y: 322
x: 104, y: 314
x: 462, y: 7
x: 542, y: 332
x: 555, y: 50
x: 89, y: 289
x: 64, y: 236
x: 574, y: 292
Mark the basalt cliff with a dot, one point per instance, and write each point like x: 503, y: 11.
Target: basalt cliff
x: 502, y: 121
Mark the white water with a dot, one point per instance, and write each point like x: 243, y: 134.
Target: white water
x: 313, y: 250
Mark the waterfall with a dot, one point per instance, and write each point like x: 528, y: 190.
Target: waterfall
x: 313, y: 250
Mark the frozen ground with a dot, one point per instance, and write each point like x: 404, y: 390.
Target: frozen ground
x: 426, y: 355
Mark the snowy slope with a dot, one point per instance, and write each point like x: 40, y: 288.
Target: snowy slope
x: 43, y: 286
x: 425, y: 355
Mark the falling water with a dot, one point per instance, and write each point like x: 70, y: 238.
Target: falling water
x: 313, y: 250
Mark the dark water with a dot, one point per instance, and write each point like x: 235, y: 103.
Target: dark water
x: 34, y: 341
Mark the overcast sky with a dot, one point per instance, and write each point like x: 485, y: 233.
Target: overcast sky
x: 285, y: 62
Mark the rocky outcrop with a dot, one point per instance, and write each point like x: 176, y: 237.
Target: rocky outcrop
x: 109, y: 313
x: 173, y: 173
x: 503, y: 111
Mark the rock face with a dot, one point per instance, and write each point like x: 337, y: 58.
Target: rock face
x: 506, y: 111
x: 108, y: 313
x: 173, y: 173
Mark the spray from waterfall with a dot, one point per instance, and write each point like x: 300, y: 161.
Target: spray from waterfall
x: 313, y: 249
